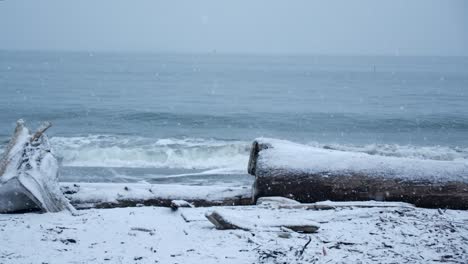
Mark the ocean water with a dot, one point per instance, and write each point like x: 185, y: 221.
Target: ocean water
x: 190, y: 118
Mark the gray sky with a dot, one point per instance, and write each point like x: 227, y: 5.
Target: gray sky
x: 406, y: 27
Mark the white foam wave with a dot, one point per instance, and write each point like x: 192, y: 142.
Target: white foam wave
x: 225, y: 171
x: 188, y: 153
x: 402, y: 151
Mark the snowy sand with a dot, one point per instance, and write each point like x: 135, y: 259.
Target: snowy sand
x: 159, y: 235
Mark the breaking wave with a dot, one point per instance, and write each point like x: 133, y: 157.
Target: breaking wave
x: 443, y: 153
x: 133, y: 152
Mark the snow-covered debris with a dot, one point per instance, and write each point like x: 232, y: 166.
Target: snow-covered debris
x: 365, y: 204
x: 229, y: 220
x: 285, y: 203
x: 176, y: 204
x: 276, y: 200
x: 29, y: 174
x: 158, y: 235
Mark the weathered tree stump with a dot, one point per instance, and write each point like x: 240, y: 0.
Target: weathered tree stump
x: 29, y: 174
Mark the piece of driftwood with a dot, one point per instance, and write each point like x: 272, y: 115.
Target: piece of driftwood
x: 323, y: 206
x: 160, y: 202
x: 276, y: 200
x: 279, y: 202
x: 29, y: 174
x: 115, y: 195
x: 222, y: 223
x: 286, y: 203
x: 348, y: 185
x: 176, y: 204
x: 225, y: 222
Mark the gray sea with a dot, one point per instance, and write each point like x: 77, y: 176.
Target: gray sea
x: 190, y: 118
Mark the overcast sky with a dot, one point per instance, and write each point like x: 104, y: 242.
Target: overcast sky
x: 406, y: 27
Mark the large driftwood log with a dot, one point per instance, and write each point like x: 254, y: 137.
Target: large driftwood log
x: 353, y: 183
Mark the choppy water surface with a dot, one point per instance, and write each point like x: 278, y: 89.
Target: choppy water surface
x: 191, y: 118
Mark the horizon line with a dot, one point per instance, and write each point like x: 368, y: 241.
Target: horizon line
x: 231, y: 53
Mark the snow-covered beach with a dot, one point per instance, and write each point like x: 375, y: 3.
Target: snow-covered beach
x: 160, y: 235
x: 255, y: 230
x: 238, y: 132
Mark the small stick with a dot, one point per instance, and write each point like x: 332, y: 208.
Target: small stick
x: 305, y: 246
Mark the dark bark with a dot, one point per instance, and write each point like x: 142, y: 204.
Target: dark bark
x: 163, y: 202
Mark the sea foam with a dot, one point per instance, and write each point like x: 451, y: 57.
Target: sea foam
x: 187, y: 153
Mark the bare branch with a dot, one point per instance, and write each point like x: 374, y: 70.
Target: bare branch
x: 41, y: 130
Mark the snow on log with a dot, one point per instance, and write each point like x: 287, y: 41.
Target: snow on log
x: 29, y: 174
x: 309, y: 174
x: 111, y: 195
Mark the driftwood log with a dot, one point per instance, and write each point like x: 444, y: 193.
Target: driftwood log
x: 114, y: 195
x: 309, y: 185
